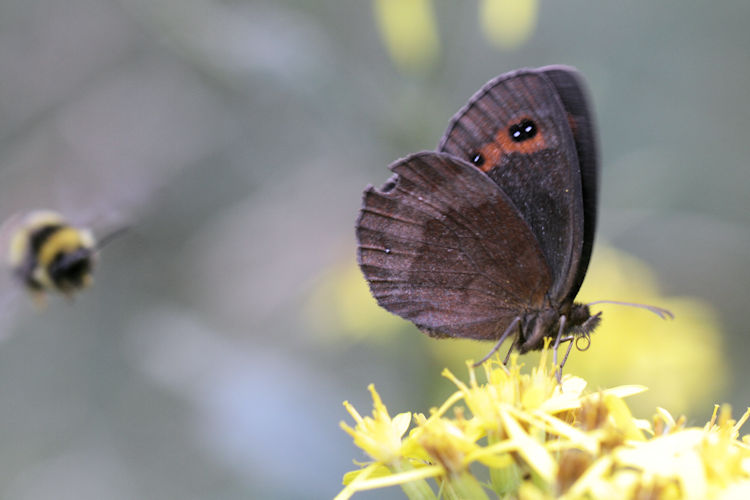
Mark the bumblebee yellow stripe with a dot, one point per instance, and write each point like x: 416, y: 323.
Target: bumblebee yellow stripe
x: 65, y: 239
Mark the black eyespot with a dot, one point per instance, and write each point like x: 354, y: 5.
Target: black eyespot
x: 524, y: 130
x: 477, y: 159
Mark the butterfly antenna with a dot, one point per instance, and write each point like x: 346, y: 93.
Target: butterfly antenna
x: 659, y: 311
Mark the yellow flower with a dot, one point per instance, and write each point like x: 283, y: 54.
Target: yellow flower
x: 379, y: 435
x: 448, y: 442
x: 539, y: 439
x: 724, y: 457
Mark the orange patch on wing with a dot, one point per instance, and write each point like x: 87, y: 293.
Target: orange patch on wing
x: 504, y: 144
x: 530, y: 145
x: 491, y: 152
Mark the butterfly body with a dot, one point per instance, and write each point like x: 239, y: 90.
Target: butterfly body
x: 489, y: 237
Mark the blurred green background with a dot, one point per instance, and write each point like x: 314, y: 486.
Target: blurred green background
x: 211, y: 357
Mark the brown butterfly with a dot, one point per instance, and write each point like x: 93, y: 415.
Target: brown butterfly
x: 490, y: 236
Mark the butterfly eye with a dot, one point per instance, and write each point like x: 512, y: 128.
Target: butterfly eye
x: 525, y: 129
x: 477, y: 159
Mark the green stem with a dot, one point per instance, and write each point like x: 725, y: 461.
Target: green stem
x: 463, y: 486
x: 414, y: 490
x: 505, y: 480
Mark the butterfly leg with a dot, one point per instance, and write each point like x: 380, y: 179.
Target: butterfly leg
x: 513, y: 324
x: 567, y: 353
x: 556, y: 347
x: 510, y: 351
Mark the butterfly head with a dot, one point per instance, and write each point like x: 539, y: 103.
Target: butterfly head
x: 576, y: 321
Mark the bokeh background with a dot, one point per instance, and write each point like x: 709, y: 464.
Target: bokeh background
x: 211, y: 357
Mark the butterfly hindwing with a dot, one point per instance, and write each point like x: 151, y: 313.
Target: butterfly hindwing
x: 432, y: 242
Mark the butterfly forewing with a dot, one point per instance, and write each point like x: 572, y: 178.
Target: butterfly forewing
x: 516, y: 130
x: 435, y: 243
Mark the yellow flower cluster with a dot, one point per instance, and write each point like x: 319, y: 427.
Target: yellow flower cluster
x: 523, y: 435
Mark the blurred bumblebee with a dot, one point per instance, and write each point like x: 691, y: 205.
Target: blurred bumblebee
x: 46, y: 253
